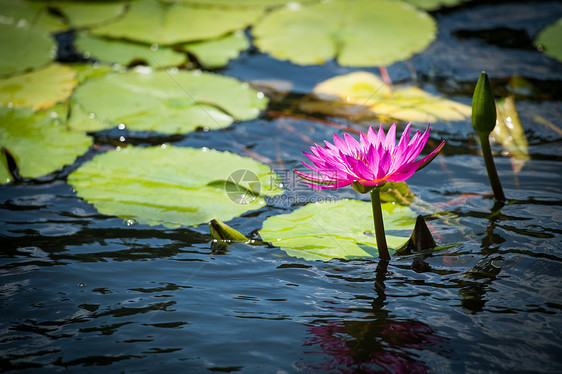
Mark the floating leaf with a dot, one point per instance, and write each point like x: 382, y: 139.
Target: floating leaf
x: 356, y: 33
x: 431, y: 5
x: 216, y: 53
x: 550, y: 41
x: 169, y: 102
x: 340, y: 229
x: 510, y: 134
x: 39, y: 142
x: 95, y: 70
x: 362, y: 90
x: 172, y: 186
x: 39, y: 89
x: 40, y: 49
x: 240, y: 3
x: 124, y: 53
x: 151, y: 21
x: 88, y: 13
x: 30, y: 14
x: 5, y: 174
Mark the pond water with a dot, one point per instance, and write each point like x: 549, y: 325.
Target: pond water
x: 85, y: 291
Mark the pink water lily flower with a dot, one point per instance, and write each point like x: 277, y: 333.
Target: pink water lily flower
x: 371, y: 161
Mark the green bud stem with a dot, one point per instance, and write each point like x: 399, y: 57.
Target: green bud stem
x: 491, y: 167
x: 379, y: 224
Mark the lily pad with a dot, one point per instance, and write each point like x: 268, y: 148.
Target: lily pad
x: 90, y: 13
x: 242, y: 3
x: 39, y: 89
x: 30, y: 14
x: 169, y: 102
x: 550, y: 41
x: 39, y: 141
x: 172, y: 186
x: 362, y: 90
x: 217, y: 52
x: 124, y: 53
x: 40, y: 48
x: 356, y: 33
x: 341, y: 229
x: 152, y: 21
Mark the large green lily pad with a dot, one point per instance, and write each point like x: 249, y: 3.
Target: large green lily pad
x: 124, y: 53
x: 39, y: 89
x: 169, y: 102
x: 216, y: 53
x: 242, y: 3
x: 362, y: 90
x: 356, y: 33
x: 173, y: 186
x: 550, y: 40
x: 39, y: 142
x: 24, y: 48
x: 89, y: 13
x: 341, y: 229
x: 152, y: 21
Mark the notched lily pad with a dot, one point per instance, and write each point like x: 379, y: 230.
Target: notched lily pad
x: 216, y: 53
x: 549, y: 40
x: 362, y: 93
x: 173, y: 186
x: 39, y: 89
x: 169, y: 102
x: 125, y: 53
x: 40, y: 142
x: 24, y: 48
x: 341, y: 229
x: 152, y: 21
x: 356, y: 33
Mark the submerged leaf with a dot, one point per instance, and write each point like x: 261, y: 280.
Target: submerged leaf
x: 215, y: 53
x: 170, y: 185
x: 340, y: 229
x: 24, y: 48
x: 510, y: 134
x: 39, y: 142
x: 169, y: 102
x: 356, y: 33
x: 550, y: 41
x: 152, y: 21
x: 361, y: 91
x: 39, y: 89
x: 124, y: 53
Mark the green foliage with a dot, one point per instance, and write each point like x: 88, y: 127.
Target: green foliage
x: 89, y: 13
x: 39, y: 142
x: 24, y: 48
x: 152, y: 21
x: 356, y: 33
x: 550, y: 40
x: 341, y: 229
x: 124, y: 53
x: 169, y: 102
x: 216, y: 53
x: 39, y: 89
x: 169, y: 185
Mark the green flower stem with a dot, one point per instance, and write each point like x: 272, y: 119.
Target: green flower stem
x: 379, y: 224
x: 491, y: 167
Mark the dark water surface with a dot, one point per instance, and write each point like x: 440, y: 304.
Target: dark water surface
x: 88, y: 292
